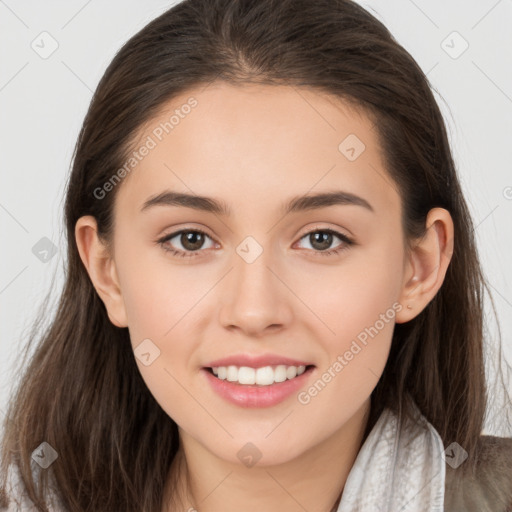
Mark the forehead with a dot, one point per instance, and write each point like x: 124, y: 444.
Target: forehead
x: 259, y: 142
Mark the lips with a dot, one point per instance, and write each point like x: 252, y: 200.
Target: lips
x: 240, y: 370
x: 251, y: 396
x: 257, y: 361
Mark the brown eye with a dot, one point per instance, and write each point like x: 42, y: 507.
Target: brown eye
x: 185, y: 242
x: 321, y: 240
x: 192, y: 240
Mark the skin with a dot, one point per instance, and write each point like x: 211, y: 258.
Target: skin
x: 255, y: 147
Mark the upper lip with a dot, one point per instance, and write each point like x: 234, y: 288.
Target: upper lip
x: 256, y: 361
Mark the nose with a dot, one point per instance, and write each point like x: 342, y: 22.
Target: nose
x: 254, y: 298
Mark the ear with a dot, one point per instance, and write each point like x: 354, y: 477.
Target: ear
x: 426, y: 265
x: 101, y: 268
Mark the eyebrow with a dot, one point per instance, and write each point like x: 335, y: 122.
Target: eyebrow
x: 296, y: 204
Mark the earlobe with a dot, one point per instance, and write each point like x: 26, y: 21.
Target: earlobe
x: 427, y: 264
x: 101, y: 268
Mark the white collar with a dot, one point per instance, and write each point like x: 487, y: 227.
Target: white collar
x: 397, y: 472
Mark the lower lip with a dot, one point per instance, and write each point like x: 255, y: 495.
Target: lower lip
x: 245, y: 395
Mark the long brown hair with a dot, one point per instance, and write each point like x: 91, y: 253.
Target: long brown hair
x: 82, y: 392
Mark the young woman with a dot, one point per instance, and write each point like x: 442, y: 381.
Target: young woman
x: 273, y: 298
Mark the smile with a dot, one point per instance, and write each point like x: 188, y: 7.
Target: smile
x: 265, y: 386
x: 264, y: 376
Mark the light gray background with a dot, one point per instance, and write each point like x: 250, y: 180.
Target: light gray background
x: 43, y: 102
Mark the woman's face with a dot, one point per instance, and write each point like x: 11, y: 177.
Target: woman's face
x: 278, y: 279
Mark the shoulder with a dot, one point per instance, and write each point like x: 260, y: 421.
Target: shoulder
x: 489, y: 489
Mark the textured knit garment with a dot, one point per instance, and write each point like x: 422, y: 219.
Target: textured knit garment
x: 396, y: 472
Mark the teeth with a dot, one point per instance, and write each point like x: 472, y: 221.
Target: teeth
x: 264, y: 376
x: 291, y: 372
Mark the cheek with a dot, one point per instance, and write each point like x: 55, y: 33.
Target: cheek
x: 157, y: 293
x: 162, y: 303
x: 358, y: 294
x: 159, y: 317
x: 362, y: 318
x: 357, y: 305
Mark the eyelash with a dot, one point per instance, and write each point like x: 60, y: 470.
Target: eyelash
x: 347, y: 242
